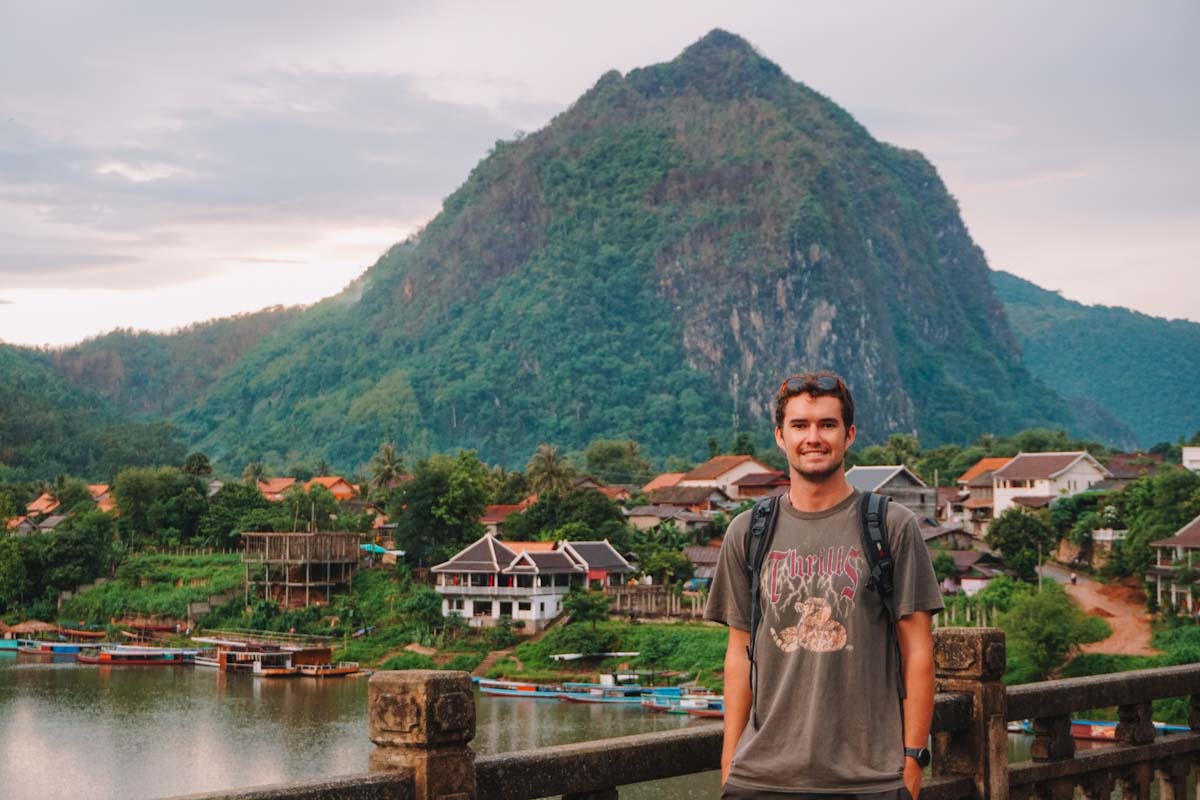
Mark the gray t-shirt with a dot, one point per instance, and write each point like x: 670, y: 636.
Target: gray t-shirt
x: 828, y: 695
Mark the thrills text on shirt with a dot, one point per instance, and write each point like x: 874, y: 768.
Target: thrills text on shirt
x: 832, y: 562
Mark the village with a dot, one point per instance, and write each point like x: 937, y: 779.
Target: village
x: 655, y: 551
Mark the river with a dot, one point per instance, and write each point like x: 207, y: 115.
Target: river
x: 72, y: 731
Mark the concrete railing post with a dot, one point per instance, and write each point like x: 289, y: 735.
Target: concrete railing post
x: 971, y: 661
x: 423, y: 720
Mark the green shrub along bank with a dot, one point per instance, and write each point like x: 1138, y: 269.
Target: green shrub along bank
x: 695, y: 648
x: 160, y: 585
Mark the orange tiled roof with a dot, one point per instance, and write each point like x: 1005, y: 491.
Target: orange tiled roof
x: 329, y: 482
x: 273, y: 488
x: 98, y: 489
x: 663, y: 481
x: 521, y: 547
x: 499, y: 513
x: 14, y: 522
x: 44, y: 504
x: 981, y: 466
x: 614, y: 492
x: 107, y: 504
x: 715, y: 467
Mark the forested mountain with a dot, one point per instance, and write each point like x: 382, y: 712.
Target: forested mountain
x: 1142, y: 369
x: 49, y: 427
x: 161, y: 374
x: 649, y: 265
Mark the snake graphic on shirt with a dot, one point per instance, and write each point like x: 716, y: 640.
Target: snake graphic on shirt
x: 818, y: 588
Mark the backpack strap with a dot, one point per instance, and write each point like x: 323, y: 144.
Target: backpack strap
x: 758, y: 540
x: 873, y: 509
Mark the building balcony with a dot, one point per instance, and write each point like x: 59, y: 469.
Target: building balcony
x: 500, y: 591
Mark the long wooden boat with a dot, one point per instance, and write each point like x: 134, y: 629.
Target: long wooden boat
x: 36, y: 647
x: 338, y: 670
x: 702, y: 706
x: 613, y: 694
x: 535, y: 691
x: 1105, y: 731
x: 136, y: 657
x: 78, y: 633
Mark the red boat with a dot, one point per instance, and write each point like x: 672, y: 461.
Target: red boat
x: 136, y: 657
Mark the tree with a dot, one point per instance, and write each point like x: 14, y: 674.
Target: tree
x: 591, y: 510
x: 1042, y: 629
x: 438, y: 511
x: 322, y: 469
x: 507, y: 487
x: 197, y: 464
x: 72, y: 494
x: 617, y: 461
x: 386, y: 467
x: 1018, y: 535
x: 943, y: 565
x: 743, y: 444
x: 548, y: 472
x: 225, y: 517
x: 254, y: 472
x: 582, y: 605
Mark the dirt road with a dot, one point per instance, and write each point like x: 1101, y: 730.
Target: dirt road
x: 1122, y: 608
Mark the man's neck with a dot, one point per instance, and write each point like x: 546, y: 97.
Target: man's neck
x: 812, y: 497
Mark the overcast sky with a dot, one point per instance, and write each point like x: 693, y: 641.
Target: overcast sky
x: 163, y: 163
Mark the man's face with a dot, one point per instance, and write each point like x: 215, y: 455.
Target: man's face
x: 813, y: 436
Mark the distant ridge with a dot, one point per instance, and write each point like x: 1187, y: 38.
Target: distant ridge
x: 1144, y: 370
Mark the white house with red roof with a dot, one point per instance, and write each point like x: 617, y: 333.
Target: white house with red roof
x: 724, y: 472
x: 1182, y: 548
x: 274, y: 488
x: 1034, y: 480
x: 527, y: 581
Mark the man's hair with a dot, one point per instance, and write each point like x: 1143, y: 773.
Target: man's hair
x: 817, y: 384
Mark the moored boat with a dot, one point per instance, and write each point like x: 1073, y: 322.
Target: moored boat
x: 700, y: 706
x: 536, y: 691
x: 37, y: 647
x: 125, y: 656
x: 338, y: 670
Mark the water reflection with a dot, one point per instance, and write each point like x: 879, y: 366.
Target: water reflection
x: 70, y: 731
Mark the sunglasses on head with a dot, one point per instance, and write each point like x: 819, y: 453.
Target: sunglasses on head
x: 804, y: 384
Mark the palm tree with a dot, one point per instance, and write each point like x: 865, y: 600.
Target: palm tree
x: 322, y: 469
x: 254, y: 472
x: 386, y: 467
x: 548, y: 471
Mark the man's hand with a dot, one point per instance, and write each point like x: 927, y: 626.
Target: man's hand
x: 912, y: 776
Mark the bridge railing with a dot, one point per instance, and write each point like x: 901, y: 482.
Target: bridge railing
x: 422, y: 722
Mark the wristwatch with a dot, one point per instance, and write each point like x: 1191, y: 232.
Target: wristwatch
x: 921, y: 754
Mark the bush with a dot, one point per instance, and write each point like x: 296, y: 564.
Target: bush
x: 467, y: 662
x: 409, y: 661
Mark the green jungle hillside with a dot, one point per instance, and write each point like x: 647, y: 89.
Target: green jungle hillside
x: 49, y: 427
x: 648, y: 266
x: 1139, y: 368
x: 645, y: 267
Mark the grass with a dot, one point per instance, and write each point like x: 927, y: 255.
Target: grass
x: 157, y: 585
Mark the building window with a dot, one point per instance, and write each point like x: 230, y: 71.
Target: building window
x: 524, y: 606
x: 482, y: 608
x: 562, y: 580
x: 455, y: 604
x: 542, y: 608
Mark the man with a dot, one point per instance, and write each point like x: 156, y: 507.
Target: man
x: 825, y: 715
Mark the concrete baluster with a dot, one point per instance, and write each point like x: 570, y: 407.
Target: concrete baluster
x: 971, y: 661
x: 423, y: 720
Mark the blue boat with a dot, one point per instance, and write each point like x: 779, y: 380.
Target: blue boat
x: 534, y: 691
x: 35, y: 647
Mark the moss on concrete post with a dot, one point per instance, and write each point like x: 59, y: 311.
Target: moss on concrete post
x: 971, y: 661
x: 423, y: 720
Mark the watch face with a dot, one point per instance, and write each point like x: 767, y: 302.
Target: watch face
x: 922, y: 756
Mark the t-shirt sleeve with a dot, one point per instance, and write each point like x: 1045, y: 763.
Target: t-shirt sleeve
x: 916, y: 584
x: 729, y: 595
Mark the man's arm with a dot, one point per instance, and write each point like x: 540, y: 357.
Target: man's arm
x: 737, y: 696
x: 915, y: 634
